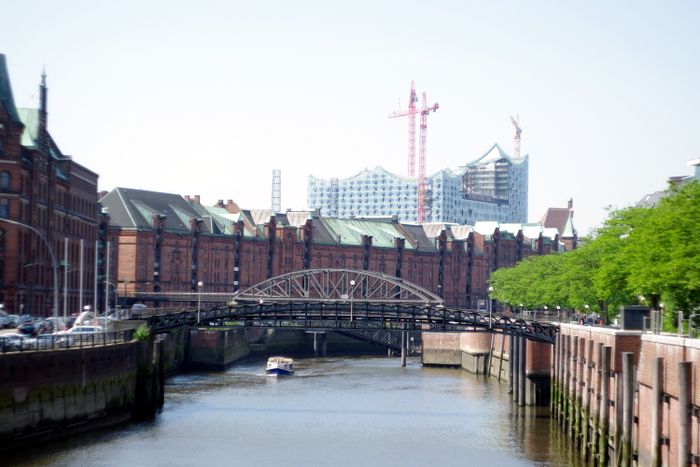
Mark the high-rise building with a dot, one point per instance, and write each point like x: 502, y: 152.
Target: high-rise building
x: 493, y: 187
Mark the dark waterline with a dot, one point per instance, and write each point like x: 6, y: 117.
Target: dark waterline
x: 345, y: 411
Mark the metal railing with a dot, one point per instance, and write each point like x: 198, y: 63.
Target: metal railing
x: 44, y: 342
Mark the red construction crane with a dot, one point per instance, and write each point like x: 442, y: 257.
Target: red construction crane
x: 425, y: 110
x: 411, y: 113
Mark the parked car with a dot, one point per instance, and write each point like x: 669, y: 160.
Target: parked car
x: 34, y: 327
x: 5, y: 320
x: 77, y: 334
x: 40, y: 342
x: 138, y: 309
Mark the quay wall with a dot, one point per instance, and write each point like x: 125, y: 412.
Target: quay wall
x: 50, y: 394
x: 216, y: 349
x: 490, y: 354
x: 627, y: 398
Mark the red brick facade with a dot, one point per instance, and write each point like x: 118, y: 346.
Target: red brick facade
x: 49, y: 192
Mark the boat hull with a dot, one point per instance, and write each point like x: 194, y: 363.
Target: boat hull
x: 279, y: 372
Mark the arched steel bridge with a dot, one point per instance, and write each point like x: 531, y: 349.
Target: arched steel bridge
x: 346, y: 299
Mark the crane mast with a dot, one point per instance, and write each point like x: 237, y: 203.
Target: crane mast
x: 411, y: 114
x: 516, y: 138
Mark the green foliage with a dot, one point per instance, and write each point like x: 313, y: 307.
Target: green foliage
x: 142, y: 333
x: 639, y: 252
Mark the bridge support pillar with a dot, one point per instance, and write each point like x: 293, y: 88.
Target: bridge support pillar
x: 404, y: 343
x: 320, y: 344
x: 522, y: 374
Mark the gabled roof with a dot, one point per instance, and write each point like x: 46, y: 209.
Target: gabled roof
x: 560, y: 219
x: 30, y: 135
x: 132, y: 208
x: 350, y: 231
x: 7, y: 99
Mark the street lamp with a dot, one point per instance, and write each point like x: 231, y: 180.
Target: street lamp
x: 546, y: 310
x: 54, y: 264
x: 490, y: 305
x: 200, y: 284
x: 352, y: 293
x: 558, y: 311
x: 521, y: 311
x: 587, y: 308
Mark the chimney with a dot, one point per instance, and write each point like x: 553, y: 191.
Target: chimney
x: 571, y: 204
x: 196, y: 199
x: 220, y: 203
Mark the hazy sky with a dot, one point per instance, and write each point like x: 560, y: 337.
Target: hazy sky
x: 208, y: 97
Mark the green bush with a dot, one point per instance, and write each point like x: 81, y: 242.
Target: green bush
x: 142, y: 333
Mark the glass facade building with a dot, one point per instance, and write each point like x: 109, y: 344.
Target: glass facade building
x: 493, y: 187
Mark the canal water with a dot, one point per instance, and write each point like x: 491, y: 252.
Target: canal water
x: 344, y: 411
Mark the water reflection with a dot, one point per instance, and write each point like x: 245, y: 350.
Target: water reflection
x: 339, y: 411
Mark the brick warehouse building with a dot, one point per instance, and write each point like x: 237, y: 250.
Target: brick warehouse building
x: 166, y: 242
x: 46, y: 190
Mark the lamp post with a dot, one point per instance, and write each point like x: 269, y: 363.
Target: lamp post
x: 352, y: 293
x: 200, y: 284
x: 521, y: 311
x: 546, y: 310
x: 587, y: 308
x: 490, y: 306
x: 54, y: 264
x: 558, y: 311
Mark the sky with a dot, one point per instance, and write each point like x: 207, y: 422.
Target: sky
x: 207, y: 98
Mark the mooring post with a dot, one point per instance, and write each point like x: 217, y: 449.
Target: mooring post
x: 522, y: 377
x: 595, y: 402
x: 657, y: 385
x: 403, y: 348
x: 627, y: 407
x: 511, y: 354
x: 604, y: 407
x: 565, y: 382
x: 586, y: 399
x: 553, y: 379
x: 515, y: 350
x: 685, y: 379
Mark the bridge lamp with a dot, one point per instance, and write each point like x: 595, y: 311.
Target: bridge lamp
x: 200, y: 284
x: 352, y: 293
x: 490, y: 305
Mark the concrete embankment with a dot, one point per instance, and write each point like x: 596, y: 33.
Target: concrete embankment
x: 522, y: 363
x: 48, y: 394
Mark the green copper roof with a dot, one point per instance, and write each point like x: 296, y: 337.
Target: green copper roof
x: 350, y: 231
x: 7, y: 99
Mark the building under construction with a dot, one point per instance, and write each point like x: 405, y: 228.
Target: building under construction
x: 493, y: 187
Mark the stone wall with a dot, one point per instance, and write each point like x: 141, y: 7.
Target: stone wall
x: 48, y: 394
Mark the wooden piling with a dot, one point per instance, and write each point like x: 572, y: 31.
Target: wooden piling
x: 586, y: 399
x: 657, y: 384
x: 522, y: 375
x: 604, y: 407
x: 627, y: 407
x: 685, y: 378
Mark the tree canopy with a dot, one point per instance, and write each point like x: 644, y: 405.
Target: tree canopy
x: 638, y: 253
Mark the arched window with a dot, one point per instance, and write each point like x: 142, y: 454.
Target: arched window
x: 4, y: 208
x: 5, y: 181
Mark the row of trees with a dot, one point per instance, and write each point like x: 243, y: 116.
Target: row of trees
x: 640, y: 255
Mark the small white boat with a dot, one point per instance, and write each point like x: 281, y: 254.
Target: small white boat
x: 280, y: 366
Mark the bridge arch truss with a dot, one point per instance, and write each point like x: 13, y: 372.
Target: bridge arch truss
x: 333, y: 285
